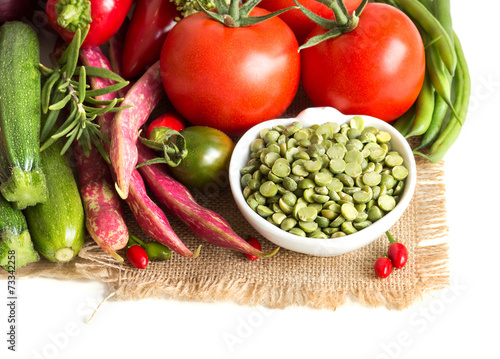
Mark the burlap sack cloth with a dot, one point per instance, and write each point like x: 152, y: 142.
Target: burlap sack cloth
x: 288, y: 278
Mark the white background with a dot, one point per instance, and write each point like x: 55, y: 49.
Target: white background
x: 52, y: 314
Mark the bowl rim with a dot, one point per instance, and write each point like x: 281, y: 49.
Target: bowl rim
x: 321, y: 246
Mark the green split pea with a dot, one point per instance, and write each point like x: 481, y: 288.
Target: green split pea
x: 324, y: 181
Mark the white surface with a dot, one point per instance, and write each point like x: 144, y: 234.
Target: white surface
x: 329, y: 246
x: 448, y: 324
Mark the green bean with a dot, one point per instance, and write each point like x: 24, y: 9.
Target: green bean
x: 389, y: 2
x: 420, y: 14
x: 452, y: 130
x: 405, y: 121
x: 424, y: 109
x: 443, y: 14
x: 438, y: 117
x: 429, y: 4
x: 440, y: 78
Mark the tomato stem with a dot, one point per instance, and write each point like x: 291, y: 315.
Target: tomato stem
x: 340, y: 11
x: 170, y: 142
x: 235, y: 15
x: 234, y: 10
x: 343, y: 23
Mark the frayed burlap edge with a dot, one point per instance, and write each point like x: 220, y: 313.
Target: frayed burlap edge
x: 430, y: 258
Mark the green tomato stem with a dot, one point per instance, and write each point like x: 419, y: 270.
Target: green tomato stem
x: 234, y: 10
x: 340, y: 11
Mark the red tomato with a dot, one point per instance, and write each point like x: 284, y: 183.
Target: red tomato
x: 300, y: 24
x: 107, y: 17
x: 169, y: 119
x: 151, y: 21
x: 230, y: 78
x: 377, y: 69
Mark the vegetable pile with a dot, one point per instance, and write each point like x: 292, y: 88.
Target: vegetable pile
x: 183, y: 79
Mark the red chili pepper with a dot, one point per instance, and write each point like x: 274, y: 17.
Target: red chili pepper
x: 254, y: 242
x: 150, y: 23
x: 397, y: 252
x: 396, y: 257
x: 383, y: 267
x: 137, y: 256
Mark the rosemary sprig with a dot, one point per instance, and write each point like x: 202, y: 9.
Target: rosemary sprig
x: 65, y: 88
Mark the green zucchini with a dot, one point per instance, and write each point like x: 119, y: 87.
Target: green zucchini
x: 21, y: 179
x: 16, y: 248
x: 57, y: 226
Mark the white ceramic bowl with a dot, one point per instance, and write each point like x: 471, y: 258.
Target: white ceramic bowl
x: 315, y: 246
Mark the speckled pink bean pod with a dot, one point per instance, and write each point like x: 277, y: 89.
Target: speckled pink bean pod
x: 144, y: 96
x: 148, y: 216
x: 104, y: 214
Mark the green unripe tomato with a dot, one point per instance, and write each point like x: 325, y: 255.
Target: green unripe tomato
x: 207, y: 161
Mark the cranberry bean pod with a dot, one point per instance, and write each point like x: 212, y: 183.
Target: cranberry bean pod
x: 104, y: 213
x: 151, y: 219
x: 144, y: 95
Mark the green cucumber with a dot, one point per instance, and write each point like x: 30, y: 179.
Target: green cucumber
x: 57, y: 226
x: 16, y: 248
x: 21, y: 179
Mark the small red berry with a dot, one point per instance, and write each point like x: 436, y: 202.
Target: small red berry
x: 137, y: 256
x: 398, y: 254
x: 254, y: 242
x: 383, y: 267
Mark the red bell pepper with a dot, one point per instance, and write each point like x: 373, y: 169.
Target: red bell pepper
x: 104, y: 16
x: 150, y: 23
